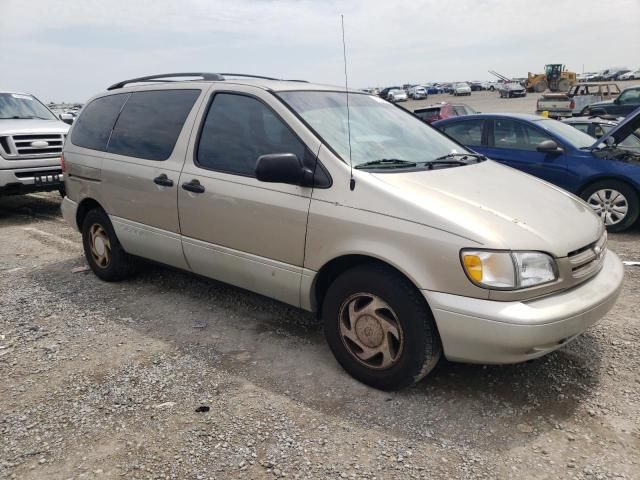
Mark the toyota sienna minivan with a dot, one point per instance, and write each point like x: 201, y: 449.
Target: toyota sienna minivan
x: 405, y: 243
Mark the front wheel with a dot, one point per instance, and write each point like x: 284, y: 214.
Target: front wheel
x: 380, y: 328
x: 616, y: 203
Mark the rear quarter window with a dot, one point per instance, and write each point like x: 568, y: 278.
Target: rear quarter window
x: 94, y: 125
x: 150, y: 123
x: 468, y: 132
x: 427, y: 113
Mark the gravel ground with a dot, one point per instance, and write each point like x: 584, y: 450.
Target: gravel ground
x: 172, y: 376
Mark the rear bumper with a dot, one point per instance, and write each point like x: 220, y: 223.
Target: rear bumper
x: 556, y: 113
x: 484, y: 331
x: 69, y: 210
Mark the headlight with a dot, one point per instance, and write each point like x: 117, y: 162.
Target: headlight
x: 508, y: 270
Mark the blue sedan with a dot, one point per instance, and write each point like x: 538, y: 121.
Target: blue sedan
x: 604, y: 172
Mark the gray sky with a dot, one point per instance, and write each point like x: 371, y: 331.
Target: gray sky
x: 70, y: 50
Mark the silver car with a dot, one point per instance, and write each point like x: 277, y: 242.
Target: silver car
x: 407, y: 245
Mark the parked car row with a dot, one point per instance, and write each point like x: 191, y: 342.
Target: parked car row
x: 423, y: 90
x: 610, y: 74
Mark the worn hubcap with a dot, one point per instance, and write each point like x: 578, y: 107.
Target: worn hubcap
x: 370, y: 331
x: 610, y: 205
x: 100, y: 245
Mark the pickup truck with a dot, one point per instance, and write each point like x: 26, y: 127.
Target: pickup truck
x: 623, y: 105
x: 577, y: 100
x: 31, y: 139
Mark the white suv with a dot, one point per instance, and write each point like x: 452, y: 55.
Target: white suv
x: 31, y: 139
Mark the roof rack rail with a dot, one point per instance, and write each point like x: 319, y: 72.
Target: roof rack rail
x: 246, y: 75
x: 156, y: 78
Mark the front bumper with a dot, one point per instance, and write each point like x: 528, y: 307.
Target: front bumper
x: 485, y: 331
x: 35, y: 179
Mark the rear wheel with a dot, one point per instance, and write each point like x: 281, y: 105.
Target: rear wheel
x: 380, y: 328
x: 616, y: 203
x: 102, y: 249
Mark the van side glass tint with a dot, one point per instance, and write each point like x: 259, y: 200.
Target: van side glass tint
x: 238, y: 129
x: 93, y: 127
x: 150, y: 123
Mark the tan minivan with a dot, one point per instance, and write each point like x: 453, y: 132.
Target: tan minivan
x: 406, y: 244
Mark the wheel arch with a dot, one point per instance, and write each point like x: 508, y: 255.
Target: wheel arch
x: 84, y: 207
x: 593, y: 180
x: 338, y: 265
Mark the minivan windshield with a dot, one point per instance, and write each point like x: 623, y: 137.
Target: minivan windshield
x: 379, y: 130
x: 21, y: 106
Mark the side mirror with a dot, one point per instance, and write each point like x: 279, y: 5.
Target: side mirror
x: 548, y: 146
x: 66, y: 118
x: 283, y: 168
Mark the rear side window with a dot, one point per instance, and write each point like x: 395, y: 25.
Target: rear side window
x: 511, y: 134
x: 94, y: 125
x: 150, y: 123
x: 427, y: 114
x: 459, y: 110
x: 468, y: 132
x: 239, y: 129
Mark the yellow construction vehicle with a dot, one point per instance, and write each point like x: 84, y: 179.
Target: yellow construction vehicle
x: 555, y: 78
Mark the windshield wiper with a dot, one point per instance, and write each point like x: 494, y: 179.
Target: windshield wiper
x: 454, y: 159
x: 18, y: 117
x: 387, y: 163
x: 458, y: 158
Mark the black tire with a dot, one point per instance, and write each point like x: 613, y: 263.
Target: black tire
x: 492, y: 88
x: 418, y: 351
x: 120, y: 264
x: 62, y: 192
x: 627, y: 191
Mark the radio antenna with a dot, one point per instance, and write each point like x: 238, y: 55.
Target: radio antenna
x: 352, y: 181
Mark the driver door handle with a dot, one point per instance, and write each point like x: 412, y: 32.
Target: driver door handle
x: 163, y: 180
x: 193, y: 186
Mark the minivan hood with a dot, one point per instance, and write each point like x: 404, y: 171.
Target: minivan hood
x: 621, y: 131
x: 496, y: 206
x: 11, y: 126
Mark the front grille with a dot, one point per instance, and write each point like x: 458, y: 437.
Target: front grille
x: 587, y: 260
x: 31, y: 146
